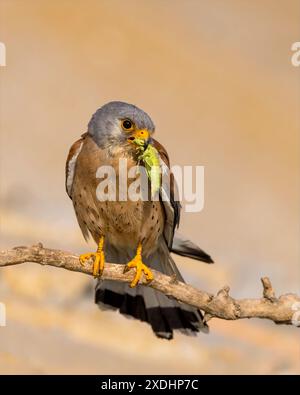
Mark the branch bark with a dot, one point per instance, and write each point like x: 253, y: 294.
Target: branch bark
x: 282, y: 310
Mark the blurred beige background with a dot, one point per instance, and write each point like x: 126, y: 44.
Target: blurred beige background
x: 217, y: 79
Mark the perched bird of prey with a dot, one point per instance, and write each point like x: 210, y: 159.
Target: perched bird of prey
x: 139, y: 233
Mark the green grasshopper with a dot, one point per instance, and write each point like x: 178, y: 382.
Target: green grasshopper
x: 150, y: 157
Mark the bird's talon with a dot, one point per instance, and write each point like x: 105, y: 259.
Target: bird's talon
x: 149, y: 277
x: 98, y: 264
x: 85, y: 257
x: 126, y: 269
x: 140, y: 267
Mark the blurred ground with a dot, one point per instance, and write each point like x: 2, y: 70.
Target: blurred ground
x: 218, y: 82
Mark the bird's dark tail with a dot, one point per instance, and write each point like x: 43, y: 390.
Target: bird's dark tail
x: 163, y: 314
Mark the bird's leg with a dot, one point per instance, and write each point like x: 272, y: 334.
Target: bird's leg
x: 99, y: 260
x: 140, y: 267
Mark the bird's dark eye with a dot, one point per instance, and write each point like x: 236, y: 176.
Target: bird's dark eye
x: 127, y: 124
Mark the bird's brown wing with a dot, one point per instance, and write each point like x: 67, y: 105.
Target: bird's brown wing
x: 169, y: 198
x: 71, y: 164
x: 70, y: 177
x: 178, y: 244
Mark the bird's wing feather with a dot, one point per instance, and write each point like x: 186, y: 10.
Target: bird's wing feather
x: 172, y: 206
x: 71, y: 164
x: 185, y: 247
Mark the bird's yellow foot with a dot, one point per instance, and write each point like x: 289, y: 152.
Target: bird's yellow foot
x: 140, y: 267
x: 99, y: 259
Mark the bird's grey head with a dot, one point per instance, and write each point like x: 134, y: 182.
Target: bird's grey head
x: 117, y: 123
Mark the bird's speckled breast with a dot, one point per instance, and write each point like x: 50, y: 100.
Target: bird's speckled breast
x: 123, y: 223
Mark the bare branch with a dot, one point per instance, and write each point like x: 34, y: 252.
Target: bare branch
x: 280, y: 310
x: 268, y: 289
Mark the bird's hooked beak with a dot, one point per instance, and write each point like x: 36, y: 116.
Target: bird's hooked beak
x: 140, y: 137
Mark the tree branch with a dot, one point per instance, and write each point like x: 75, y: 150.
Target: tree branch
x: 281, y: 310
